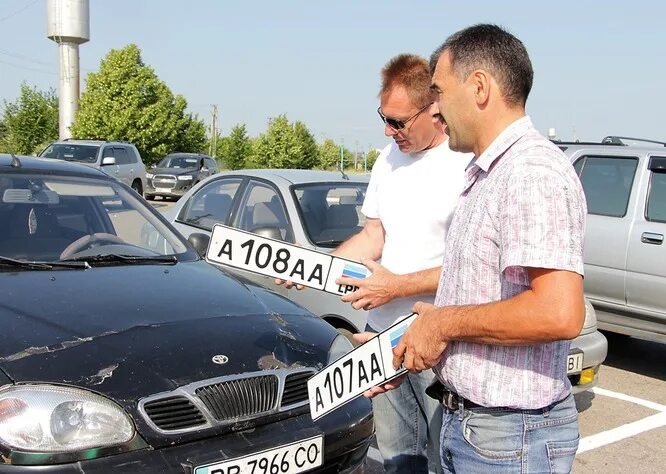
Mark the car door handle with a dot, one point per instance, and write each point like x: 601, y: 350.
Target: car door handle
x: 652, y: 238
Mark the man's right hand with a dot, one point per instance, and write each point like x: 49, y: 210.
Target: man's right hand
x: 288, y: 284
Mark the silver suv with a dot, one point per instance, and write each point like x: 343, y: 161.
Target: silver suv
x: 120, y: 160
x: 625, y: 256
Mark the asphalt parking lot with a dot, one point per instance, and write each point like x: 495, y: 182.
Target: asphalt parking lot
x: 622, y: 421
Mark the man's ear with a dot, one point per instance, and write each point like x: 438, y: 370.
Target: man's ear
x: 481, y: 82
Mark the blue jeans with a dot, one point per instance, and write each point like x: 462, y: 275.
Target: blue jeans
x: 500, y: 440
x: 408, y: 423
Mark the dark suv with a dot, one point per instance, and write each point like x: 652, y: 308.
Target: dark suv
x: 122, y: 351
x: 178, y: 172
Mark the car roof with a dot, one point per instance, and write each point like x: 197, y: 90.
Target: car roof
x: 295, y: 176
x: 47, y: 165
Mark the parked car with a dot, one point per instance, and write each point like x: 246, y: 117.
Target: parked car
x: 319, y: 210
x: 120, y: 160
x: 625, y: 257
x: 178, y: 172
x: 123, y: 351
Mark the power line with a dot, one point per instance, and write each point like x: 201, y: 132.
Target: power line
x: 25, y: 7
x: 26, y: 58
x: 29, y: 68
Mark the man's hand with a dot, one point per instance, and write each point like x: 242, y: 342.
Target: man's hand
x: 385, y: 387
x: 422, y: 345
x: 376, y: 289
x: 288, y: 284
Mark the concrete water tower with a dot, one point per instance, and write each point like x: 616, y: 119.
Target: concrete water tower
x: 68, y: 24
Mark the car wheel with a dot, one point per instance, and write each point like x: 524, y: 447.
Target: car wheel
x: 136, y: 186
x: 150, y: 197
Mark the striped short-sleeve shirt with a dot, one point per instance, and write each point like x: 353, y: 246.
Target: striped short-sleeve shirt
x: 523, y: 206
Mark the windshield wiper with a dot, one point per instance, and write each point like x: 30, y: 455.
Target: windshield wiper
x: 125, y: 259
x: 34, y: 265
x: 324, y: 243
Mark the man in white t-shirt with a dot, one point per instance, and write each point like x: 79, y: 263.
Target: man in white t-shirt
x: 409, y: 204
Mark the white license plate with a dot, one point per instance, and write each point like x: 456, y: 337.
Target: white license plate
x: 574, y: 363
x: 368, y: 365
x: 163, y: 190
x: 287, y: 459
x: 277, y: 259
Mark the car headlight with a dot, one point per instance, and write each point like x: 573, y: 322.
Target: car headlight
x: 339, y: 347
x: 48, y: 419
x: 185, y: 177
x: 150, y: 175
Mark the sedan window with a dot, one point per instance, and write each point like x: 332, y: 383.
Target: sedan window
x: 211, y: 204
x: 331, y: 212
x: 263, y: 213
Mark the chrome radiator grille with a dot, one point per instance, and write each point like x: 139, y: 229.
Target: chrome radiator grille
x: 240, y: 398
x: 226, y: 400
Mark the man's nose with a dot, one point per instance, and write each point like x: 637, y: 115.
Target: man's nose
x: 389, y: 131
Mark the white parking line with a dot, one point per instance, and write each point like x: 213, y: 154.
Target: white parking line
x: 621, y: 432
x: 627, y: 430
x: 629, y: 398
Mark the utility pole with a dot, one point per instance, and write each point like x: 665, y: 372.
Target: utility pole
x: 212, y: 149
x: 356, y: 157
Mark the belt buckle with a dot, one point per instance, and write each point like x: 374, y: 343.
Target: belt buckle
x: 450, y: 400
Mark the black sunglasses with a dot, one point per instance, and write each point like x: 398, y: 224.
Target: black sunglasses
x: 396, y: 124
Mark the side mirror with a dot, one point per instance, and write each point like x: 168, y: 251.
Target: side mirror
x: 268, y: 232
x: 200, y: 243
x: 108, y: 160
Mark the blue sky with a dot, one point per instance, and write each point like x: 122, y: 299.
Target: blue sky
x: 599, y: 66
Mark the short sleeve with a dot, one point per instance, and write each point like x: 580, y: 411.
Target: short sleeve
x: 542, y: 222
x: 370, y: 208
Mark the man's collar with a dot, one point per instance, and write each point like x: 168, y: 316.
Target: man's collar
x: 503, y: 141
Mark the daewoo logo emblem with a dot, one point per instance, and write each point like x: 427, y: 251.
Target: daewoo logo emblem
x: 220, y: 359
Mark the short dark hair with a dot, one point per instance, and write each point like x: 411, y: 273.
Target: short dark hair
x: 494, y: 49
x: 411, y: 72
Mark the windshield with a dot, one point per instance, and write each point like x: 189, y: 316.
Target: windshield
x: 49, y: 218
x: 178, y: 162
x: 331, y: 212
x: 72, y: 152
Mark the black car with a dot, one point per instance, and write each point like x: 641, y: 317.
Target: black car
x: 123, y: 351
x: 176, y: 173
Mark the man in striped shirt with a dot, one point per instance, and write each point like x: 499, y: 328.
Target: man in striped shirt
x: 510, y: 296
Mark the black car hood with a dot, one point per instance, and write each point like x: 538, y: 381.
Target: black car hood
x: 132, y: 331
x: 173, y: 171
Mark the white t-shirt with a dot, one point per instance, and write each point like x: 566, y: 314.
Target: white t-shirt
x: 414, y: 195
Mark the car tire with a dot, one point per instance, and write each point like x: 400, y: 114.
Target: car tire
x: 150, y: 197
x: 136, y: 186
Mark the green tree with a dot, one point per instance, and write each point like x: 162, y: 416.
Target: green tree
x: 329, y: 154
x: 125, y: 100
x: 372, y: 157
x: 309, y: 149
x: 282, y: 147
x: 238, y: 148
x: 31, y: 122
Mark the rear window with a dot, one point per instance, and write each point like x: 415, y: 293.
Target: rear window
x: 607, y: 182
x: 72, y: 152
